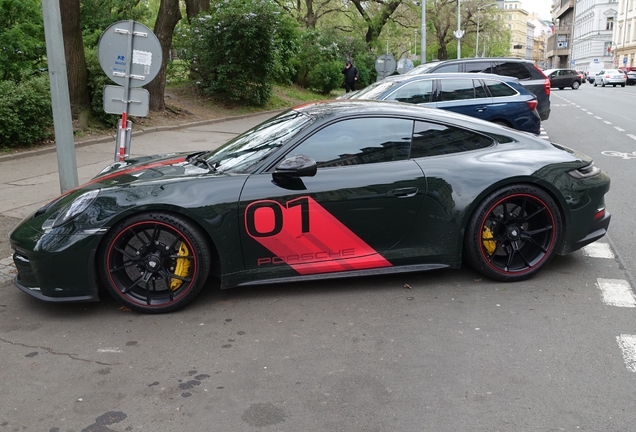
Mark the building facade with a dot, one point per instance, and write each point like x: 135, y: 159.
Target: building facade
x: 624, y: 36
x: 595, y: 22
x: 516, y: 20
x: 559, y: 46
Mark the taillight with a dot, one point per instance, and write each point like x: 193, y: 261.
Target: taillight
x: 607, y: 76
x: 546, y: 83
x: 532, y: 104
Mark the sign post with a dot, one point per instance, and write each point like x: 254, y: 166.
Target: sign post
x: 130, y: 55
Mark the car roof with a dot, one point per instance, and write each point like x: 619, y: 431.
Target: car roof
x: 440, y: 75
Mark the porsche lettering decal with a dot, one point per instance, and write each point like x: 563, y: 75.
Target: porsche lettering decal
x: 305, y: 236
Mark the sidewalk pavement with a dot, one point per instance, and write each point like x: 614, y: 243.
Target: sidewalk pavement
x: 30, y: 179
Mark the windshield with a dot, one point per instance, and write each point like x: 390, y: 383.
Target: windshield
x: 375, y: 90
x: 421, y: 69
x: 246, y: 150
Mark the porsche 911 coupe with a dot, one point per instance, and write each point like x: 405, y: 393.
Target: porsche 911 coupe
x: 323, y: 190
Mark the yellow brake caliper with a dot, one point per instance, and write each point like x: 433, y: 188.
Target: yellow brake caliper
x: 182, y: 268
x: 490, y: 245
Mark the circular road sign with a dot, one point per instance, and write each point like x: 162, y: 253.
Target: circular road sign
x: 404, y: 65
x: 142, y: 63
x: 385, y: 65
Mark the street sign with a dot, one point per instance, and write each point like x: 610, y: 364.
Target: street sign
x: 573, y: 62
x: 115, y: 103
x: 130, y: 55
x: 404, y: 65
x: 137, y: 60
x: 385, y: 65
x: 624, y: 60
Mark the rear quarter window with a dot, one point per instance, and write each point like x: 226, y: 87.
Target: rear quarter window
x: 432, y: 139
x: 514, y: 69
x: 499, y: 89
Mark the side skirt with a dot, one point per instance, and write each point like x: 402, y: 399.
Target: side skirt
x: 225, y: 283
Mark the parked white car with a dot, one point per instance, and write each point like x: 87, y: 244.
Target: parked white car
x: 612, y: 77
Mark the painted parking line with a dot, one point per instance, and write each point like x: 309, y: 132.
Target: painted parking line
x: 598, y: 250
x: 616, y: 292
x: 627, y: 343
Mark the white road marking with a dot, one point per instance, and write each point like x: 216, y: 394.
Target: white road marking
x: 109, y: 350
x: 600, y: 118
x: 607, y: 122
x: 583, y: 109
x: 598, y: 250
x: 616, y: 292
x: 627, y: 343
x: 619, y: 129
x: 632, y: 136
x: 590, y: 113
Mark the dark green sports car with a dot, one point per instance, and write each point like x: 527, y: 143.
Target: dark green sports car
x: 331, y: 189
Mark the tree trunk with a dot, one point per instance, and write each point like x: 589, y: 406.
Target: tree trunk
x: 167, y: 18
x: 75, y: 60
x: 194, y: 7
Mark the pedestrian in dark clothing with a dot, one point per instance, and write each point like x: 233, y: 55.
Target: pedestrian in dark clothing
x: 351, y: 76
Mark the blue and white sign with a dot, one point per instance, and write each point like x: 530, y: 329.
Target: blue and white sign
x: 624, y: 60
x: 572, y: 62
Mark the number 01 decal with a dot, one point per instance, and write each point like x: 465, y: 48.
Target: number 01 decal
x: 305, y: 236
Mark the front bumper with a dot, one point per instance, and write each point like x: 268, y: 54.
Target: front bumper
x: 597, y: 230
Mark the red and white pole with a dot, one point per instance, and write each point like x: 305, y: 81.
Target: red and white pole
x: 122, y: 136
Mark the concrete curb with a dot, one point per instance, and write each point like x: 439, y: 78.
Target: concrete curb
x: 51, y: 148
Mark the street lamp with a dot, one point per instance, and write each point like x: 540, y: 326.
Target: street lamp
x: 459, y: 33
x: 477, y: 41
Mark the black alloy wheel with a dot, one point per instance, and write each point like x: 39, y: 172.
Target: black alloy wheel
x: 154, y: 262
x: 513, y: 233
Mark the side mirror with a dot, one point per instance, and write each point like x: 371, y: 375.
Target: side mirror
x: 296, y: 166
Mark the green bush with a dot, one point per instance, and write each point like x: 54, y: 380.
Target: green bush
x: 97, y: 79
x: 236, y: 50
x: 326, y: 77
x: 25, y: 111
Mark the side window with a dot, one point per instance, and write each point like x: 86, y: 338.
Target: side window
x: 499, y: 88
x: 431, y: 139
x: 457, y: 89
x: 359, y: 141
x: 447, y: 68
x: 478, y: 67
x: 414, y: 92
x: 480, y: 91
x: 514, y: 69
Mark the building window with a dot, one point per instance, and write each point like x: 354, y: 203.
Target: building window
x: 609, y: 24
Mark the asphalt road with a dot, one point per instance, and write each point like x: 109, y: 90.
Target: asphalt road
x: 438, y: 351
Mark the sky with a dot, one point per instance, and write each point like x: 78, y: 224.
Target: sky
x: 542, y: 7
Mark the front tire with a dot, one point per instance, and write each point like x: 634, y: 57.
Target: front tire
x: 575, y: 85
x: 154, y: 262
x: 513, y: 233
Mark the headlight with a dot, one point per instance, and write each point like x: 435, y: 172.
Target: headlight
x: 585, y: 172
x: 80, y: 204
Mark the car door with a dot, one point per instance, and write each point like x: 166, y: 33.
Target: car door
x: 464, y: 96
x: 362, y: 201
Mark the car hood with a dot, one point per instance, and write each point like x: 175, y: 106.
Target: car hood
x: 149, y: 168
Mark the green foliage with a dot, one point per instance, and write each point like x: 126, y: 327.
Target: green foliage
x: 320, y: 47
x: 25, y: 111
x: 236, y: 51
x: 325, y: 77
x: 97, y: 15
x: 22, y: 47
x: 97, y: 79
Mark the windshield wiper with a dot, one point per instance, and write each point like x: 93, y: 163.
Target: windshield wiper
x: 198, y: 159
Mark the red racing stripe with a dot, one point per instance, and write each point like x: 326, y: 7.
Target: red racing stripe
x: 308, y: 238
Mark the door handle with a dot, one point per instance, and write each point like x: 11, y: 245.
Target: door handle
x: 481, y: 109
x: 403, y: 192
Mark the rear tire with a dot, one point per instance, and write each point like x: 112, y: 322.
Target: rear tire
x: 513, y: 233
x: 575, y: 85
